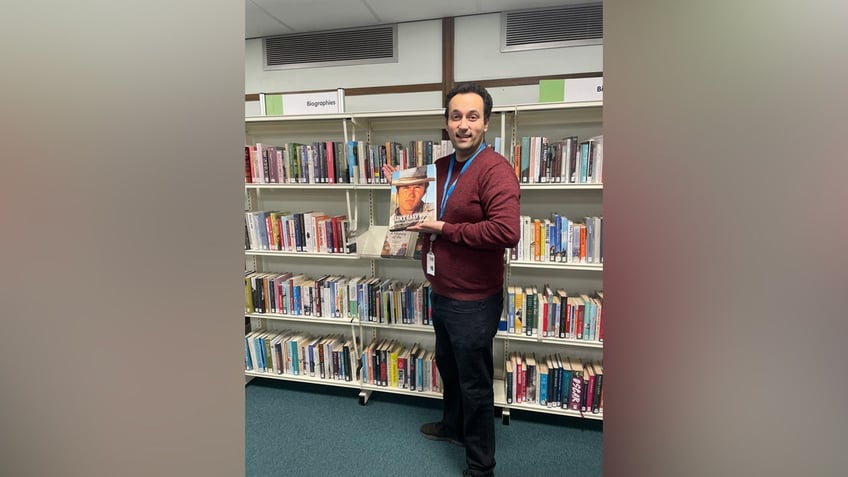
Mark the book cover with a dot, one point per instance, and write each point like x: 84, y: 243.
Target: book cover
x: 399, y: 244
x: 413, y: 200
x: 413, y: 197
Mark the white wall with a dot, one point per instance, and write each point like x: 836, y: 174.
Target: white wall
x: 477, y: 57
x: 419, y: 61
x: 478, y: 54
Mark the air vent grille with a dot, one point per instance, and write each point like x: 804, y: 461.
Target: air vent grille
x: 575, y: 25
x: 332, y: 48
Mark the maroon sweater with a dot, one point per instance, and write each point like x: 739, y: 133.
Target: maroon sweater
x: 481, y: 220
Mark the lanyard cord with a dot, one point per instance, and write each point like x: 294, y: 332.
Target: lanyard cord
x: 448, y: 190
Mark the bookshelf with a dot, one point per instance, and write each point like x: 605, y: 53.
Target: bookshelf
x: 540, y: 200
x: 366, y: 206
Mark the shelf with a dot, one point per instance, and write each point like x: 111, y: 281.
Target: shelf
x: 550, y: 340
x: 304, y: 379
x: 559, y: 186
x: 551, y: 410
x: 300, y: 117
x: 397, y: 326
x: 302, y: 318
x: 557, y: 106
x: 558, y: 265
x: 373, y: 186
x: 407, y: 392
x: 417, y: 113
x: 573, y: 342
x: 583, y: 119
x: 275, y: 253
x: 343, y: 186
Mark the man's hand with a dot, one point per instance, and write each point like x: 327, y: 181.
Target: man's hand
x: 427, y: 227
x: 387, y: 172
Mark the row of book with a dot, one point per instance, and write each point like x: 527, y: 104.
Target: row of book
x: 535, y: 159
x: 336, y: 162
x: 569, y: 161
x: 377, y: 300
x: 286, y: 231
x: 550, y: 313
x: 331, y: 357
x: 390, y: 363
x: 554, y: 381
x: 529, y: 310
x: 560, y: 239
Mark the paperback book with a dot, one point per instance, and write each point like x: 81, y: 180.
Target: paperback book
x: 413, y: 201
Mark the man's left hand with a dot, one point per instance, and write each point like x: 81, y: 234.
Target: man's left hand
x: 428, y: 227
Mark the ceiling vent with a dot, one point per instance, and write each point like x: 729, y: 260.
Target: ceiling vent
x: 332, y: 48
x: 574, y: 25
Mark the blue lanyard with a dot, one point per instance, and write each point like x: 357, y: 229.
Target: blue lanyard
x: 446, y: 193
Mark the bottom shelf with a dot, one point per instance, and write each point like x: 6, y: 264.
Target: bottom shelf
x: 500, y: 401
x: 304, y: 379
x: 406, y: 392
x: 500, y: 395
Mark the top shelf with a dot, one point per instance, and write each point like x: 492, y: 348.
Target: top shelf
x: 353, y: 116
x: 553, y: 106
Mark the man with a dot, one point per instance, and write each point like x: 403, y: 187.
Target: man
x: 411, y: 207
x: 462, y: 258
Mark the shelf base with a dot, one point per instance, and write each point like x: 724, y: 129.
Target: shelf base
x: 363, y: 396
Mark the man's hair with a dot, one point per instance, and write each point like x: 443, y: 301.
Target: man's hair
x: 475, y: 88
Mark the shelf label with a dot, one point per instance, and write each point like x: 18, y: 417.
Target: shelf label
x: 321, y: 102
x: 571, y: 90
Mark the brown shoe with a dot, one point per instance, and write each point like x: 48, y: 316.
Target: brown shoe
x: 438, y: 431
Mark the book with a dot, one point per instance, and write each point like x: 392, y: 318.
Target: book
x: 399, y: 244
x: 531, y: 392
x: 598, y: 389
x: 413, y: 197
x: 508, y: 381
x: 543, y: 383
x: 413, y: 200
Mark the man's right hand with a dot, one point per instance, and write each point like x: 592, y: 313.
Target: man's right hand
x: 388, y: 169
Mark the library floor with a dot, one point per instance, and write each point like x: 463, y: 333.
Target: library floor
x: 311, y: 430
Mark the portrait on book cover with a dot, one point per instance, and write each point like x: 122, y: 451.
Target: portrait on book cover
x: 399, y: 244
x: 413, y: 197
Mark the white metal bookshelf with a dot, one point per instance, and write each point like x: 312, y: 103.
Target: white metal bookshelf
x: 511, y: 122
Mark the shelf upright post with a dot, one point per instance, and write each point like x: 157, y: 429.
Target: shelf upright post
x: 352, y: 213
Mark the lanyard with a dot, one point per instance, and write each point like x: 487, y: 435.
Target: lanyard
x: 446, y: 193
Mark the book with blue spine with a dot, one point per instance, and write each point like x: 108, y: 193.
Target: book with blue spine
x: 248, y: 362
x: 543, y: 382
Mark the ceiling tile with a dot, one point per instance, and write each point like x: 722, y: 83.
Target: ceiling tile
x: 277, y: 17
x: 317, y: 15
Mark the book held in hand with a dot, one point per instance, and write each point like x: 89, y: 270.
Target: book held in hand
x: 413, y: 201
x: 413, y: 197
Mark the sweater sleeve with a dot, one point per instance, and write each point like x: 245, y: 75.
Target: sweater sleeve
x: 500, y: 200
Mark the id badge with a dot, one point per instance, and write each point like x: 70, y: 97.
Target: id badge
x: 431, y: 263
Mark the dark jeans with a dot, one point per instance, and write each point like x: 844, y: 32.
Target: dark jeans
x: 464, y: 333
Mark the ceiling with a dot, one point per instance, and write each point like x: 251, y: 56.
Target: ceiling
x: 279, y: 17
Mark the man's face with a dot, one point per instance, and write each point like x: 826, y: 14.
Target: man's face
x: 465, y: 124
x: 409, y: 196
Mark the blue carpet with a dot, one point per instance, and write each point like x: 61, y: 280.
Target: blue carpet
x: 302, y: 429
